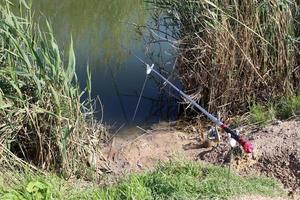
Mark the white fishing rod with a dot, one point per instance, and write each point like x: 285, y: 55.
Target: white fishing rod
x: 247, y: 146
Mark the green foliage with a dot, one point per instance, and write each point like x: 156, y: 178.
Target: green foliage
x: 285, y: 108
x: 189, y: 180
x: 289, y: 106
x: 41, y: 115
x: 262, y: 115
x: 134, y: 188
x: 173, y: 180
x: 33, y: 188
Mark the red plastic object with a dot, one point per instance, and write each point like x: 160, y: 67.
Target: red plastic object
x: 247, y: 146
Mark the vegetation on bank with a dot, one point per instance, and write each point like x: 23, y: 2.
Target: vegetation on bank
x: 44, y: 125
x: 287, y: 107
x: 42, y: 120
x: 173, y: 180
x: 233, y: 53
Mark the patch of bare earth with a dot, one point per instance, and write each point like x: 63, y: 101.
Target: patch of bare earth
x: 277, y: 152
x: 142, y: 152
x: 253, y: 197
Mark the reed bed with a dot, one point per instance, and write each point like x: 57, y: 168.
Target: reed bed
x: 233, y: 53
x: 43, y: 123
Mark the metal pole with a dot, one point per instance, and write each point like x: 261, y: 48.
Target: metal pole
x: 247, y: 146
x: 210, y: 116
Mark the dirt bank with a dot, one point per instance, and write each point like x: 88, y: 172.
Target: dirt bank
x: 277, y: 151
x: 277, y: 154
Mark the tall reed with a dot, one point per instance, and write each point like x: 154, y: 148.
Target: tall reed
x: 234, y: 52
x: 42, y: 120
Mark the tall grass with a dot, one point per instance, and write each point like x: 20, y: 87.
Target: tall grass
x: 235, y: 52
x: 41, y: 117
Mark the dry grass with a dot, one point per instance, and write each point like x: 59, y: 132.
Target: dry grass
x: 232, y: 53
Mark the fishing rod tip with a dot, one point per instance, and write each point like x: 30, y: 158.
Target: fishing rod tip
x: 149, y: 68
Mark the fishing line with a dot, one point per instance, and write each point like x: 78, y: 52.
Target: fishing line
x: 140, y: 97
x: 247, y: 146
x: 143, y: 88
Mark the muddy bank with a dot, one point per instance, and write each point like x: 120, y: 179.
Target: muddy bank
x: 277, y: 154
x: 277, y: 151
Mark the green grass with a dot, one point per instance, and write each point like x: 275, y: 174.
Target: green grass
x: 173, y: 180
x: 262, y: 115
x: 289, y: 106
x: 285, y: 108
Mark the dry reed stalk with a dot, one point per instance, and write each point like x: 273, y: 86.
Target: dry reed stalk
x: 232, y: 53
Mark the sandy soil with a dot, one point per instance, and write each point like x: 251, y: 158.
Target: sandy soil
x: 138, y: 152
x: 277, y: 152
x: 257, y: 198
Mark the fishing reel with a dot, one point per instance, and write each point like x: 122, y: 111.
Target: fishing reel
x: 233, y: 139
x: 247, y: 146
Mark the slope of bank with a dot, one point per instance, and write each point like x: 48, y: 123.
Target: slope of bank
x: 276, y: 155
x: 165, y: 163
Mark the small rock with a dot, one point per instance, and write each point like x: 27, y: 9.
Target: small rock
x: 277, y: 122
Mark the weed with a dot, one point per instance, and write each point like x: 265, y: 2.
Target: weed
x: 262, y: 115
x: 289, y: 106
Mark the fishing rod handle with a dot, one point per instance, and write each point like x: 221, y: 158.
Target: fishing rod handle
x: 247, y: 146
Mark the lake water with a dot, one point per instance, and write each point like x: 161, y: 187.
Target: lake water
x: 106, y: 39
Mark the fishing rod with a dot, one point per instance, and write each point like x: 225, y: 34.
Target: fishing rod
x: 247, y: 146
